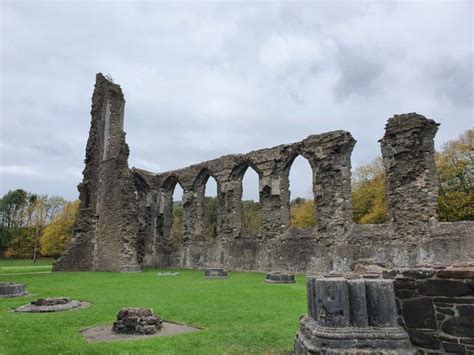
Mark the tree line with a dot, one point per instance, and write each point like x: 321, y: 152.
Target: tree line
x: 32, y: 225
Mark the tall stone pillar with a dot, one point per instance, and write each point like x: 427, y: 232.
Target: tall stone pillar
x: 355, y: 316
x: 105, y: 234
x: 412, y: 180
x: 190, y: 214
x: 329, y: 155
x: 229, y: 213
x: 272, y: 206
x: 166, y: 213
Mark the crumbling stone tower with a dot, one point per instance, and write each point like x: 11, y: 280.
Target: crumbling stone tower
x: 106, y: 229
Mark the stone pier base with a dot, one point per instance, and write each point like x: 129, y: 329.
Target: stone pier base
x: 355, y: 316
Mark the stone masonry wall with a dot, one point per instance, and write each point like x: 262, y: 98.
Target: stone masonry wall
x: 437, y: 307
x: 413, y: 235
x: 125, y: 216
x: 105, y: 234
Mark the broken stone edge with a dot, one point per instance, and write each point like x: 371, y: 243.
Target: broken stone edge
x: 74, y: 304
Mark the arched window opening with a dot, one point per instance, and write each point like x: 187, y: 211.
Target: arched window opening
x: 369, y: 202
x: 302, y: 208
x: 210, y: 209
x: 176, y: 232
x: 251, y: 219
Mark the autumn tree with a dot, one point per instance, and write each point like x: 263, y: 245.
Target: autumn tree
x: 302, y: 213
x: 176, y: 233
x: 24, y: 215
x: 57, y: 234
x: 455, y: 164
x: 210, y: 217
x: 369, y: 203
x: 251, y: 220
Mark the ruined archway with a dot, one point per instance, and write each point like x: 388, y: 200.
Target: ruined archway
x: 300, y: 193
x: 206, y: 189
x: 172, y: 210
x: 248, y: 209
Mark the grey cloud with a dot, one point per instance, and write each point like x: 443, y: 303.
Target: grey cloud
x: 208, y: 79
x: 454, y: 80
x: 359, y: 71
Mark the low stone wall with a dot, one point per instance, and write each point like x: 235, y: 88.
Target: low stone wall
x: 309, y: 251
x: 437, y: 307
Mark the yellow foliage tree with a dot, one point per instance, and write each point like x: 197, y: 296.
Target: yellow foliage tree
x: 56, y: 235
x: 368, y: 193
x: 455, y: 164
x: 302, y: 213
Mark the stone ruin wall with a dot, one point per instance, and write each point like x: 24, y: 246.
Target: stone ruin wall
x: 436, y: 307
x: 125, y: 215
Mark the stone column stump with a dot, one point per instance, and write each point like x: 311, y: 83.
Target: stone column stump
x: 9, y: 289
x: 215, y: 273
x: 280, y: 278
x: 355, y: 316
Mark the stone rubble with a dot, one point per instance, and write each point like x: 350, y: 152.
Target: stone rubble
x: 137, y: 321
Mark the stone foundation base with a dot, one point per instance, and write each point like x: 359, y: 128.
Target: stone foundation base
x: 276, y: 277
x: 215, y: 273
x: 315, y: 339
x: 48, y: 305
x: 8, y: 289
x: 131, y: 268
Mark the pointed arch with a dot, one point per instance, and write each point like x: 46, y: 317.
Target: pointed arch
x: 170, y: 220
x: 247, y: 200
x: 301, y: 201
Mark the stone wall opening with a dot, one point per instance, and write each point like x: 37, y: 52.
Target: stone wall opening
x: 172, y: 213
x: 251, y: 219
x: 300, y: 194
x: 209, y: 208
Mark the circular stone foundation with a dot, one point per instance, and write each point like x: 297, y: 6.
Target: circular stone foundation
x: 280, y: 278
x: 215, y: 273
x: 9, y: 289
x: 51, y: 305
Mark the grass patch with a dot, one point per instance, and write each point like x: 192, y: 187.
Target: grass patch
x: 238, y: 315
x: 26, y: 262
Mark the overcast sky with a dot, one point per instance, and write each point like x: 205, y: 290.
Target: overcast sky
x: 206, y: 79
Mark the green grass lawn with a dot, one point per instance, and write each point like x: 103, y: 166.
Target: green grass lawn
x: 25, y: 262
x: 238, y: 315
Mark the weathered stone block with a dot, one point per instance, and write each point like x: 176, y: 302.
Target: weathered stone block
x: 418, y: 273
x: 215, y: 273
x: 466, y: 310
x: 332, y: 302
x: 419, y: 313
x: 459, y: 326
x: 403, y: 293
x: 457, y: 273
x: 448, y: 311
x: 424, y: 339
x: 137, y: 321
x: 448, y: 288
x: 450, y: 301
x: 405, y: 284
x: 358, y: 303
x: 381, y: 306
x: 281, y: 278
x: 454, y: 348
x: 9, y: 289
